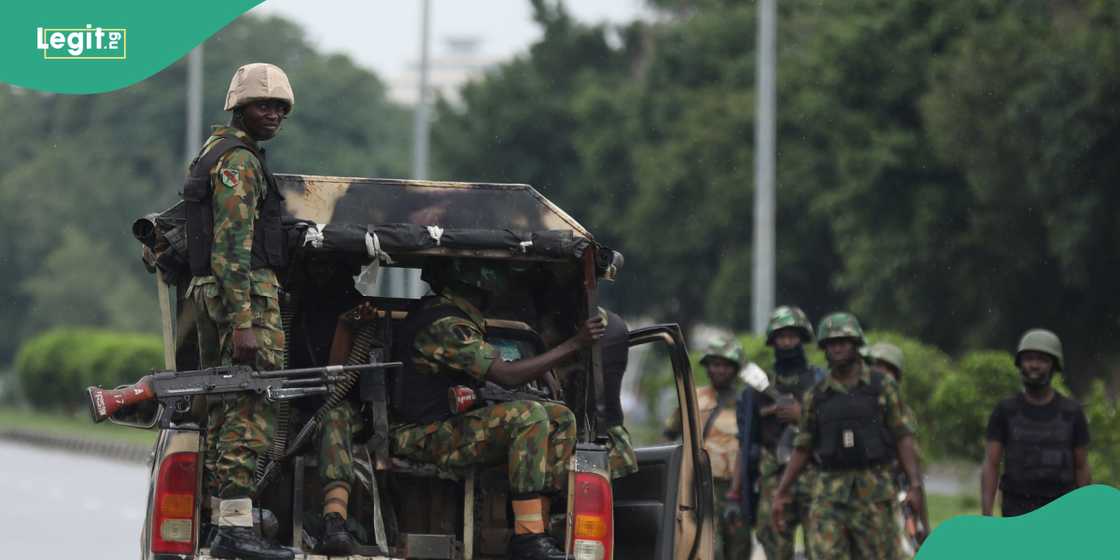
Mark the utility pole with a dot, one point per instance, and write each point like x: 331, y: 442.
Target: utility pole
x: 407, y: 282
x: 194, y: 102
x: 762, y: 286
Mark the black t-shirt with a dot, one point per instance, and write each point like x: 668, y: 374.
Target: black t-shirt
x: 999, y: 430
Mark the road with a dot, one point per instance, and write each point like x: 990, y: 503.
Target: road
x: 61, y: 505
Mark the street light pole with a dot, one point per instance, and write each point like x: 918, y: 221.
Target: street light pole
x: 762, y: 293
x: 194, y: 102
x: 408, y: 281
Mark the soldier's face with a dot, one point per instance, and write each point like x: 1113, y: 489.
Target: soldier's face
x: 786, y: 339
x: 262, y: 118
x: 840, y: 351
x: 720, y: 371
x: 1035, y: 366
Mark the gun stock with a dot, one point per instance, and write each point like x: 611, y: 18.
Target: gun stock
x: 104, y: 403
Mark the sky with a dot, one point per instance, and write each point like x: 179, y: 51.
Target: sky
x: 384, y: 35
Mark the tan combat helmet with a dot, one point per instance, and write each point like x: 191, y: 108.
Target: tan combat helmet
x: 257, y: 81
x: 888, y: 353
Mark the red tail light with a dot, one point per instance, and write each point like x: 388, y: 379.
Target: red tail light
x: 593, y: 523
x: 173, y: 516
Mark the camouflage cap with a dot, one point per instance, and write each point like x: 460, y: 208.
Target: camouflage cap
x: 888, y: 353
x: 839, y: 325
x: 1041, y: 340
x: 789, y: 317
x: 728, y: 349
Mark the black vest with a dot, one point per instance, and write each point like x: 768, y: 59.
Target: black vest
x: 1039, y: 453
x: 422, y: 398
x: 795, y: 384
x: 852, y: 431
x: 198, y: 195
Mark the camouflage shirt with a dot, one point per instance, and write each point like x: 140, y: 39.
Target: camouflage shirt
x: 867, y: 485
x: 454, y: 343
x: 239, y: 187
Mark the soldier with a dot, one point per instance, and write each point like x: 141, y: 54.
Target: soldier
x: 853, y: 426
x: 442, y: 344
x: 719, y: 428
x: 777, y: 420
x: 233, y: 211
x: 887, y: 359
x: 1045, y: 435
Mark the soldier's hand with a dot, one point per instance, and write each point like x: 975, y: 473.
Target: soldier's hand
x: 915, y: 497
x: 789, y: 412
x: 363, y: 313
x: 778, y: 510
x: 731, y: 514
x: 591, y: 330
x: 244, y: 346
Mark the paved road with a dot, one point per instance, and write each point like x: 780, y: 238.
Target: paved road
x: 60, y: 505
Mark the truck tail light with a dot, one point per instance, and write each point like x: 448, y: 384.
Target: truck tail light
x: 593, y: 518
x: 173, y: 516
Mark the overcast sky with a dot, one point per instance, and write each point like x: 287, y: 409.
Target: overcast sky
x: 384, y: 34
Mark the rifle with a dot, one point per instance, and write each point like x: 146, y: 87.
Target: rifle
x: 462, y: 398
x: 758, y: 380
x: 913, y: 529
x: 174, y: 389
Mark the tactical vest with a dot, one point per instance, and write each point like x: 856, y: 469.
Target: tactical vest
x: 796, y: 385
x: 198, y: 196
x: 1039, y: 453
x: 421, y: 398
x: 851, y: 427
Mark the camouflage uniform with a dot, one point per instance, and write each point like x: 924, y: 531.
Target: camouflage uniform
x: 235, y: 296
x: 852, y: 511
x: 620, y: 452
x: 534, y: 439
x: 336, y: 448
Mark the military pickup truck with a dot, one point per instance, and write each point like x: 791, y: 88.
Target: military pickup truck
x: 338, y: 228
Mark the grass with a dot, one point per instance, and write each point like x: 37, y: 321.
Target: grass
x: 76, y: 425
x: 942, y: 507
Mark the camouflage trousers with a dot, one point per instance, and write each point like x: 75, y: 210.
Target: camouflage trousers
x: 620, y: 457
x: 780, y: 545
x: 239, y: 428
x: 853, y: 530
x: 535, y: 440
x: 733, y: 537
x: 336, y: 447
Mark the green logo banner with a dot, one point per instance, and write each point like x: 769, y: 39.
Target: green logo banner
x: 1080, y: 524
x: 78, y: 46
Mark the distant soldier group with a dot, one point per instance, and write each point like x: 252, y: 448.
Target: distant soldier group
x: 834, y: 451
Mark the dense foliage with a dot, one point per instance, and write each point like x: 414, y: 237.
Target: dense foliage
x: 945, y: 168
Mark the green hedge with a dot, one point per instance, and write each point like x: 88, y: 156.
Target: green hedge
x: 56, y: 366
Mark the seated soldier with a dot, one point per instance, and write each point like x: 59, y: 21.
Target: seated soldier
x: 442, y: 344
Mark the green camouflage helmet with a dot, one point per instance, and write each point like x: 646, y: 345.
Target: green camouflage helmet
x: 888, y: 353
x: 1041, y: 340
x: 728, y: 349
x: 839, y: 325
x: 789, y: 317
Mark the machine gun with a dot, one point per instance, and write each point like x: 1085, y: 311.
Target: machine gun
x: 759, y: 381
x: 174, y: 389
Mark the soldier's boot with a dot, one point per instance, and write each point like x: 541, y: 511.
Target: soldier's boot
x: 336, y: 539
x: 535, y: 546
x: 244, y: 543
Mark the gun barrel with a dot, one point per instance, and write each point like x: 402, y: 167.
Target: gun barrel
x: 327, y: 370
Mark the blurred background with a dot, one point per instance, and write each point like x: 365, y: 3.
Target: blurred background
x: 945, y: 169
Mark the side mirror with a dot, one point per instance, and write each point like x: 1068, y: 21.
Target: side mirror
x: 755, y: 377
x: 143, y: 416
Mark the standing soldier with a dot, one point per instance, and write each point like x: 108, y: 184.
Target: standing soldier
x: 1044, y: 434
x: 233, y: 211
x: 887, y: 359
x: 716, y: 403
x: 853, y: 425
x: 777, y: 420
x: 442, y: 345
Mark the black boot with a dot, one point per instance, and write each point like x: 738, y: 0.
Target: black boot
x: 535, y: 546
x: 243, y: 542
x: 336, y: 539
